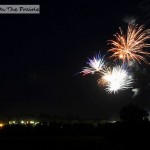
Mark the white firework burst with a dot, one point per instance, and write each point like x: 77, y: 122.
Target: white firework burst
x: 116, y: 79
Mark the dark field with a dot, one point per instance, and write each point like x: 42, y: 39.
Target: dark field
x: 118, y: 136
x: 68, y: 143
x: 46, y: 143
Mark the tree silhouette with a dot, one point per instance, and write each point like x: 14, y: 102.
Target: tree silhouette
x: 132, y: 113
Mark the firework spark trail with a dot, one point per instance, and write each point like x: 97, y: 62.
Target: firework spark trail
x: 115, y: 79
x: 95, y: 65
x: 130, y: 46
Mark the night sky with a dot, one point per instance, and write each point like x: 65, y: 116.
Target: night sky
x: 41, y: 54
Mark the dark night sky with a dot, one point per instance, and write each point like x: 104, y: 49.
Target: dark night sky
x: 40, y: 55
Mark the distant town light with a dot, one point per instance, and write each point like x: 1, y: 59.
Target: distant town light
x: 31, y: 122
x: 114, y: 121
x: 22, y: 122
x: 1, y: 125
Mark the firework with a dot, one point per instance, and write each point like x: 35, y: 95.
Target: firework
x: 116, y: 79
x: 130, y: 46
x: 94, y: 65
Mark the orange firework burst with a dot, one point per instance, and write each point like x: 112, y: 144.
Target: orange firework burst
x: 130, y: 46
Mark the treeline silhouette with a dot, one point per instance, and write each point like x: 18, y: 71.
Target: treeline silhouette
x: 131, y: 131
x: 79, y: 128
x: 131, y: 116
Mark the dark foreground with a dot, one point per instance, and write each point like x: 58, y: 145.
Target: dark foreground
x: 118, y: 136
x: 55, y: 143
